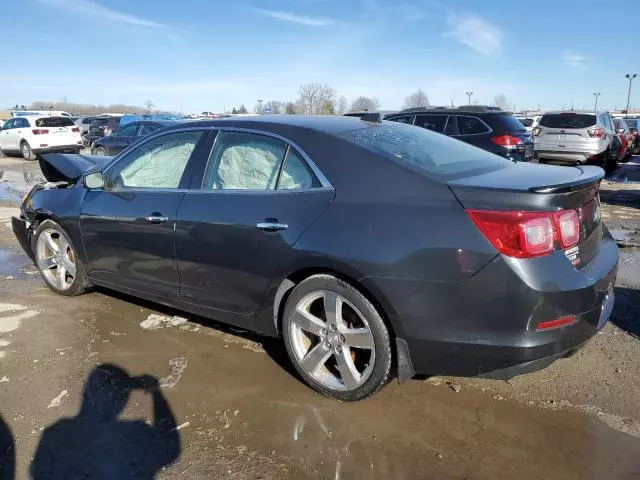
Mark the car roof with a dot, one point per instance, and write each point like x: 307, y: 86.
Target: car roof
x: 580, y: 112
x: 475, y: 109
x: 332, y: 124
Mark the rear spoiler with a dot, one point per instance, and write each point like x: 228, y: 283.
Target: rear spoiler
x: 60, y: 167
x: 592, y: 178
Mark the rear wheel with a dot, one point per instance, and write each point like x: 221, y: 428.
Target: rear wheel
x: 101, y: 151
x: 27, y: 153
x: 57, y: 260
x: 610, y: 161
x: 336, y: 339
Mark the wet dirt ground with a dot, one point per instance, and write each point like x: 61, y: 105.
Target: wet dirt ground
x: 219, y: 403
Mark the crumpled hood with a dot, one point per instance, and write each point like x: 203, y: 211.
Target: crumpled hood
x: 61, y: 167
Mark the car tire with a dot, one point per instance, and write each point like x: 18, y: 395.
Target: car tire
x: 609, y: 161
x: 100, y: 151
x: 322, y: 346
x: 62, y: 271
x: 85, y: 140
x: 26, y: 151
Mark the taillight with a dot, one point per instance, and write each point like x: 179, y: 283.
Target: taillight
x: 536, y: 131
x: 556, y: 323
x: 75, y: 129
x: 507, y: 141
x: 527, y: 234
x: 596, y: 132
x: 39, y: 131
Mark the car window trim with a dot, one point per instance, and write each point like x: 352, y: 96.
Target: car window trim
x: 488, y: 132
x: 105, y: 171
x: 324, y: 182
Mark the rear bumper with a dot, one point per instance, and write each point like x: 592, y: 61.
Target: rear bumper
x: 569, y: 156
x: 486, y: 325
x: 23, y: 234
x: 58, y: 148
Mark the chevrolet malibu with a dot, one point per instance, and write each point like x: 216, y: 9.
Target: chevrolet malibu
x: 372, y: 248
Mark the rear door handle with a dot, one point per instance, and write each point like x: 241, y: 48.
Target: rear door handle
x: 157, y: 219
x: 271, y: 226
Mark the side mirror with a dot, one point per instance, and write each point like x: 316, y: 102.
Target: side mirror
x: 621, y: 130
x: 94, y: 180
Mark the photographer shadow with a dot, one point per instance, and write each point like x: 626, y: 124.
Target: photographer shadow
x: 97, y: 444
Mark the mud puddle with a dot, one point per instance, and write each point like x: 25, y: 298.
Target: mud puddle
x: 239, y: 404
x: 14, y: 264
x: 14, y: 184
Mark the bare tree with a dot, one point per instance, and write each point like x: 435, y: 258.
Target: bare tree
x: 316, y: 99
x: 500, y: 100
x: 365, y: 104
x: 290, y: 109
x: 276, y: 106
x: 416, y: 99
x: 342, y: 106
x: 84, y: 109
x: 149, y: 104
x: 243, y: 109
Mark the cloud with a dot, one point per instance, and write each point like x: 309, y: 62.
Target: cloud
x: 574, y: 59
x: 475, y: 32
x: 89, y: 7
x: 294, y: 18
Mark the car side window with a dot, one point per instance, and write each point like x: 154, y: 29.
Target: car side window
x: 127, y: 130
x: 243, y: 161
x: 431, y: 122
x: 147, y: 129
x: 402, y: 119
x: 158, y: 163
x: 296, y: 174
x: 452, y: 126
x: 8, y: 124
x: 471, y: 126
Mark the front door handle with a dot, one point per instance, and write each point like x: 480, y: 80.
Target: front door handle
x: 271, y: 226
x: 157, y: 219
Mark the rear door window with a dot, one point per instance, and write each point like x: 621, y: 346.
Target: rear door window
x: 452, y: 126
x: 295, y: 174
x: 568, y: 120
x: 147, y: 129
x: 422, y: 150
x: 527, y: 122
x: 408, y: 119
x: 55, y: 122
x: 434, y: 123
x: 472, y: 126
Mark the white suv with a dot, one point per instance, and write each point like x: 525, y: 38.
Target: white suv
x: 32, y: 135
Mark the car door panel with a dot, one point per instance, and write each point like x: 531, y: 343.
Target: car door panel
x: 5, y: 133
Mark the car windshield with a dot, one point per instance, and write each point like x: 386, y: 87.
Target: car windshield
x: 433, y: 153
x: 567, y: 120
x: 512, y: 124
x: 55, y: 122
x: 632, y: 122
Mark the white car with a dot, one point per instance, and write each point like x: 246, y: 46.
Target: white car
x: 32, y: 135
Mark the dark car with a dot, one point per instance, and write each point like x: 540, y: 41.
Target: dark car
x: 84, y: 123
x: 634, y: 127
x: 489, y: 128
x: 103, y: 126
x: 370, y: 247
x: 126, y: 135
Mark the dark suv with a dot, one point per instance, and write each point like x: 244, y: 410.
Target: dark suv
x: 103, y: 126
x: 489, y: 128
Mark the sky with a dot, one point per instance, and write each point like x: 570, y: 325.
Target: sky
x: 211, y: 55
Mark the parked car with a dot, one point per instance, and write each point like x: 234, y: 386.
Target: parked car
x: 634, y: 127
x: 84, y: 123
x: 354, y: 241
x: 626, y: 139
x: 489, y: 128
x: 126, y: 135
x: 31, y: 136
x: 103, y: 126
x: 577, y: 137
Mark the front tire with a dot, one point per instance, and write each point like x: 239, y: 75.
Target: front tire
x: 336, y: 339
x: 57, y: 260
x: 26, y: 151
x: 101, y: 151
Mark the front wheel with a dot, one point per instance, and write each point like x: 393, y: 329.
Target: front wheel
x: 101, y: 151
x: 336, y: 339
x: 27, y: 153
x: 58, y: 261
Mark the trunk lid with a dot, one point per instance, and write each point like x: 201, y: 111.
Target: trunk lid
x: 59, y: 167
x: 531, y: 188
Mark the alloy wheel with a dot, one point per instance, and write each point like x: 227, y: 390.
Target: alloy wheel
x: 56, y: 259
x: 332, y: 340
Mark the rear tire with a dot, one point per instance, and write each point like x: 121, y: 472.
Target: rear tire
x: 336, y: 339
x: 26, y: 151
x: 100, y: 151
x: 58, y: 261
x: 609, y: 161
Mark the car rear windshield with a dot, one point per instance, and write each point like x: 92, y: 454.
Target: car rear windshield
x: 632, y: 122
x: 512, y: 124
x: 437, y: 155
x: 527, y: 122
x: 55, y: 122
x: 568, y: 120
x: 100, y: 121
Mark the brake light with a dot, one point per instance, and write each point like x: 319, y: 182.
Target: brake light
x: 536, y: 131
x: 75, y: 129
x: 527, y: 234
x: 39, y: 131
x: 596, y: 132
x: 558, y: 322
x: 507, y: 141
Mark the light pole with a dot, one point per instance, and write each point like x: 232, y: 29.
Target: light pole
x: 630, y: 77
x: 595, y: 105
x: 469, y: 95
x: 259, y: 105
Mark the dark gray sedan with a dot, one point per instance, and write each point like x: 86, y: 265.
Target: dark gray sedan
x: 371, y: 248
x: 126, y: 135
